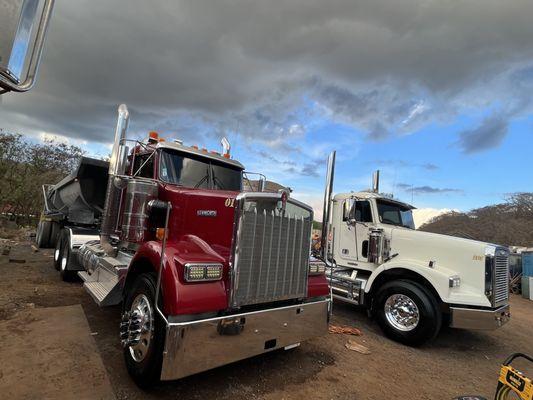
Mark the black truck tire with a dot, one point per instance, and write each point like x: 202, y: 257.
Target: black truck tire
x: 65, y: 257
x: 55, y: 230
x: 57, y: 252
x: 407, y: 312
x: 42, y: 236
x: 144, y: 361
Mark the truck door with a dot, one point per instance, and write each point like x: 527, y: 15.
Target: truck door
x: 353, y: 235
x: 362, y: 214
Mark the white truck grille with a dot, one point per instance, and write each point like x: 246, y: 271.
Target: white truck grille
x: 501, y: 278
x: 271, y: 252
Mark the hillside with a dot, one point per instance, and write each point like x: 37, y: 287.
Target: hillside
x: 509, y: 223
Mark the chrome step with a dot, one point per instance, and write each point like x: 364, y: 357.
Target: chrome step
x: 103, y: 286
x: 104, y: 275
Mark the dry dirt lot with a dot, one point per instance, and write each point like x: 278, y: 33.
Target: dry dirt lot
x: 457, y: 362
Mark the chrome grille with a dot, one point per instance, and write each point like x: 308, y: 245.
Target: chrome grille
x: 501, y: 277
x: 271, y: 252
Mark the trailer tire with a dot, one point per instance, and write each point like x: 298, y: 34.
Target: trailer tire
x: 65, y: 257
x: 144, y: 361
x: 55, y: 231
x: 57, y: 252
x: 407, y: 312
x: 42, y: 236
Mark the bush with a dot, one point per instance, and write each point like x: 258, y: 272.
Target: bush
x: 25, y: 167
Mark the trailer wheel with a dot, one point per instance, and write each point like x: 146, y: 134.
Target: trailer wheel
x: 42, y: 236
x: 142, y: 332
x: 407, y: 312
x: 55, y: 231
x: 65, y: 257
x: 57, y: 252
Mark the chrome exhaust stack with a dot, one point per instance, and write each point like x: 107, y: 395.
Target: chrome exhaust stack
x: 330, y: 174
x: 117, y: 167
x: 375, y: 181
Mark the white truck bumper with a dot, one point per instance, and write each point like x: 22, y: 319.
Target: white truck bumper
x: 196, y: 346
x: 471, y: 318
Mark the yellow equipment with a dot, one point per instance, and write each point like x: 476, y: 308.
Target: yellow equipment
x: 512, y: 382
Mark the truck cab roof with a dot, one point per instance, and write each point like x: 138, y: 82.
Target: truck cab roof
x: 365, y: 195
x: 203, y: 153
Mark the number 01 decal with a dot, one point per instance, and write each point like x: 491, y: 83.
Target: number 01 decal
x: 229, y: 202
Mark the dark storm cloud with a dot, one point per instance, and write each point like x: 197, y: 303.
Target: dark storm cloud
x: 258, y: 69
x: 430, y: 167
x: 426, y: 189
x: 489, y: 134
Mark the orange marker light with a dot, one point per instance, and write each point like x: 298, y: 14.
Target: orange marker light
x: 153, y: 137
x: 160, y: 233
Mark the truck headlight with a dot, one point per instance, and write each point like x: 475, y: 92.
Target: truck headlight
x: 454, y: 281
x: 490, y: 252
x: 317, y: 268
x: 203, y: 272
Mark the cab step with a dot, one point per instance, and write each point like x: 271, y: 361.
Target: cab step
x: 104, y: 287
x: 104, y: 283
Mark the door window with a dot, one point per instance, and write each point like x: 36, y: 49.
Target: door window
x: 362, y: 211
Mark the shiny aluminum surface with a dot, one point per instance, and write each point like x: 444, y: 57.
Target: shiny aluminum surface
x: 192, y: 347
x: 141, y: 306
x: 401, y: 312
x: 271, y: 255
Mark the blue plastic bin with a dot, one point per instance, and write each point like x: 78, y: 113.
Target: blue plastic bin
x: 527, y: 263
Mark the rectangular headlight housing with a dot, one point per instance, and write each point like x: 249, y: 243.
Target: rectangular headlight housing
x: 198, y: 272
x: 454, y: 281
x: 317, y: 268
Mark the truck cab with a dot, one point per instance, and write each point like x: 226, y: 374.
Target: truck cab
x: 412, y: 281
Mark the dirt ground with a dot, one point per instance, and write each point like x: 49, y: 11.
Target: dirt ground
x: 456, y: 363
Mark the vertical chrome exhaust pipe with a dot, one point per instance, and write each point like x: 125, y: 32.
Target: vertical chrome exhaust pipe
x: 375, y: 181
x: 117, y: 167
x: 330, y: 174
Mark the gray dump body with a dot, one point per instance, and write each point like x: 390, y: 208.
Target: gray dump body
x: 79, y: 197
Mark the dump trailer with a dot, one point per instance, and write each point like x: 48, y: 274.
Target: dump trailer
x: 206, y: 273
x: 413, y: 282
x: 74, y: 204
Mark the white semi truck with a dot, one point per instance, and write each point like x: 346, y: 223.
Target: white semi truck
x: 413, y: 282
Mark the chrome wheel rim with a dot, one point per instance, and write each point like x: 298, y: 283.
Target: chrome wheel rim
x: 141, y: 306
x: 63, y: 263
x: 402, y: 312
x: 56, y: 255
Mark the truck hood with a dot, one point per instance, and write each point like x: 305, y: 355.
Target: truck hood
x: 450, y: 254
x: 204, y: 216
x: 409, y: 243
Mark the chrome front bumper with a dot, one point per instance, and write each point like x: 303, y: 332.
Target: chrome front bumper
x: 196, y: 346
x: 469, y: 318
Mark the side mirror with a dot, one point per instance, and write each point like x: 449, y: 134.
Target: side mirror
x: 23, y: 25
x: 347, y: 212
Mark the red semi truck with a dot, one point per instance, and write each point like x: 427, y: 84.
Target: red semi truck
x: 206, y: 273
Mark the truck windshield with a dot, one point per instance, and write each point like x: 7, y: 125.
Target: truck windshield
x: 198, y: 172
x: 395, y: 214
